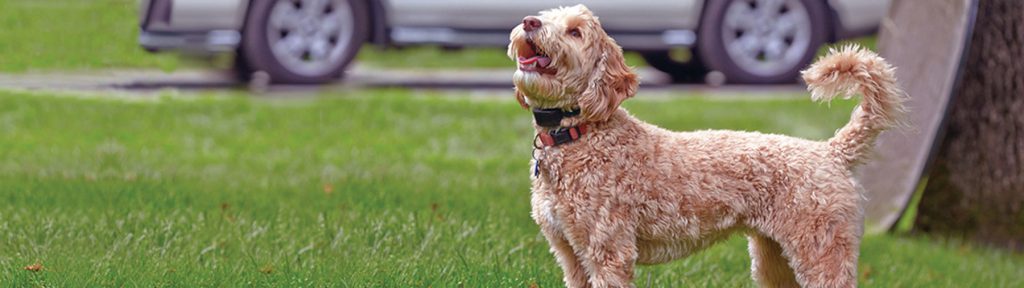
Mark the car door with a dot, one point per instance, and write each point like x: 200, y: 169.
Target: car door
x: 644, y: 15
x: 207, y: 15
x: 464, y: 14
x: 860, y: 15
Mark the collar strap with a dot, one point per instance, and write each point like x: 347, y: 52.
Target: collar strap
x: 560, y: 136
x: 552, y: 117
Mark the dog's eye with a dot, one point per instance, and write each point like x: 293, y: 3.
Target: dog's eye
x: 575, y: 32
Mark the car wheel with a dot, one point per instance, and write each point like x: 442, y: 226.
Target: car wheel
x: 762, y: 41
x: 692, y: 70
x: 301, y: 41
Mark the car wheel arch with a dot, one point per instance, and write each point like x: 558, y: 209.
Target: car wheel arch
x: 709, y: 44
x: 253, y: 53
x: 378, y: 23
x: 834, y: 24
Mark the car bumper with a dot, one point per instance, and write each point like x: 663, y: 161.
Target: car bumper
x: 198, y: 42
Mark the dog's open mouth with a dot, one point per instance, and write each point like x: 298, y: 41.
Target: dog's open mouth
x: 533, y: 59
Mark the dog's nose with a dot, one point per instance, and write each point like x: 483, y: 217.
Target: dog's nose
x: 531, y: 23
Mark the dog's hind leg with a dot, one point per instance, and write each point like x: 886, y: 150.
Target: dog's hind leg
x: 768, y: 266
x: 824, y: 251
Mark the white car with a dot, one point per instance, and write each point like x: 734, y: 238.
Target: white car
x: 311, y: 41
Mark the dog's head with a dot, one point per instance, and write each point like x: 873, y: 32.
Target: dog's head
x: 567, y: 60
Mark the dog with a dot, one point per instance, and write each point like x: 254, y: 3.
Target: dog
x: 610, y: 191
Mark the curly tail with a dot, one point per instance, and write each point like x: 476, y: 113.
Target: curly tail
x: 852, y: 70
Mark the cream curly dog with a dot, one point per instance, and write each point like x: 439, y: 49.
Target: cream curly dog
x: 610, y: 191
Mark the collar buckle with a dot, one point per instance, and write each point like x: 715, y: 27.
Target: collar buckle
x: 561, y: 136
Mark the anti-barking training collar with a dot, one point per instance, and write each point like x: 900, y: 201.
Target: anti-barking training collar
x: 552, y: 119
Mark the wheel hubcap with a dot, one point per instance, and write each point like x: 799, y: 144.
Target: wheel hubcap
x: 309, y: 37
x: 766, y: 37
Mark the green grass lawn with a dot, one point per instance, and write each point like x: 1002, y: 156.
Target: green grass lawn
x: 42, y: 35
x: 367, y: 188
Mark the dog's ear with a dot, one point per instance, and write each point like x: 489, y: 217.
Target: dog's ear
x: 521, y: 99
x: 611, y: 83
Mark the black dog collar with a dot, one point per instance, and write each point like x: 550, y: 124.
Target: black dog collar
x: 557, y: 135
x: 550, y: 118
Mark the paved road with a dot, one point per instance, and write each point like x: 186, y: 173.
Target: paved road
x: 498, y: 80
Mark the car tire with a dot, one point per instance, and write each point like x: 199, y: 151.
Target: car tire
x: 301, y: 41
x: 753, y: 42
x: 693, y: 70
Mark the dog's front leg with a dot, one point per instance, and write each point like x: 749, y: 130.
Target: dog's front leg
x: 573, y: 274
x: 611, y: 253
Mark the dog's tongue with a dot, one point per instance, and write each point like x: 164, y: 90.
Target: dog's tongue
x: 541, y: 61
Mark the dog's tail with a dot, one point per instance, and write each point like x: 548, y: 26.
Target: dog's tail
x: 852, y: 70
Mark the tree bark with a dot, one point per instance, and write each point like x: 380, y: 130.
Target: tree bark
x: 975, y: 188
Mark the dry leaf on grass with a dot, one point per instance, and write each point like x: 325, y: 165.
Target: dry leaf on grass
x: 34, y: 267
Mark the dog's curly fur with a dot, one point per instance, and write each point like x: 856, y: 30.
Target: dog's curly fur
x: 629, y: 192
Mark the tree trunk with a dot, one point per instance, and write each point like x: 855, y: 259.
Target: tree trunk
x: 976, y: 186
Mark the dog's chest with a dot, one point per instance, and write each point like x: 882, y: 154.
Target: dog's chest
x: 545, y: 211
x: 548, y: 207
